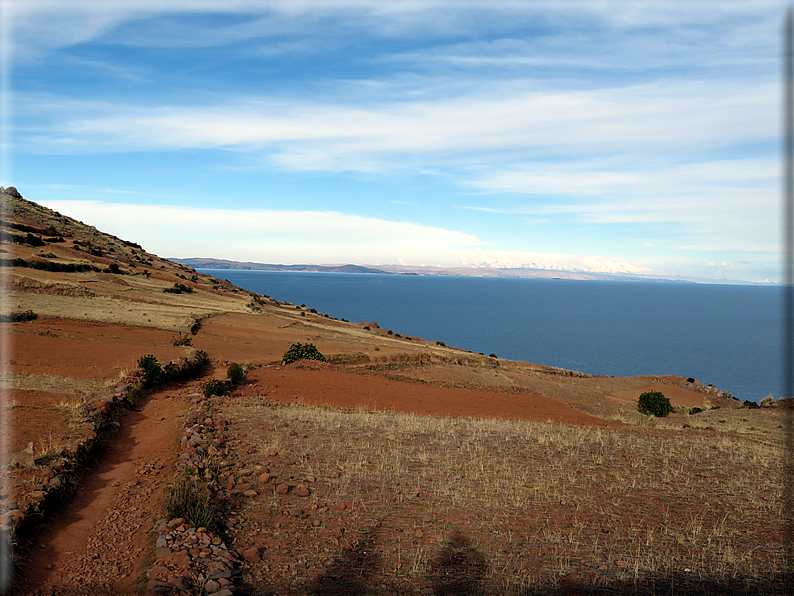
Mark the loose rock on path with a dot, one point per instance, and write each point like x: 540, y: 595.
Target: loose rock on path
x: 98, y: 544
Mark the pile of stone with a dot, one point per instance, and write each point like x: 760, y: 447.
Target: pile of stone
x: 194, y: 560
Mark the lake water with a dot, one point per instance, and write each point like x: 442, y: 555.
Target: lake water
x: 729, y: 336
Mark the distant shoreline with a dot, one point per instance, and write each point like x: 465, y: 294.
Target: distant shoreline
x: 522, y: 272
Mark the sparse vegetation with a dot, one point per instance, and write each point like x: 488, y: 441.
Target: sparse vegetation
x: 178, y: 289
x: 19, y: 317
x: 421, y: 479
x: 189, y: 498
x: 152, y: 371
x: 236, y: 374
x: 654, y: 403
x: 183, y: 340
x: 215, y: 387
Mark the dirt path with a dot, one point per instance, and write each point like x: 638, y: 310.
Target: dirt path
x: 99, y: 542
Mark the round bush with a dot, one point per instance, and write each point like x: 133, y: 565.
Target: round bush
x: 152, y: 371
x: 235, y: 374
x: 300, y: 351
x: 654, y: 403
x: 215, y: 387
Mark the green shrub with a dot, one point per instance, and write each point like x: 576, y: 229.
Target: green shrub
x: 178, y: 289
x: 654, y: 403
x: 235, y: 374
x: 17, y: 317
x: 188, y: 497
x: 215, y: 387
x: 492, y: 356
x: 695, y: 410
x: 441, y: 343
x: 151, y: 369
x: 299, y: 351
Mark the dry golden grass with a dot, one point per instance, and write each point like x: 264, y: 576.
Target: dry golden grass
x: 540, y: 502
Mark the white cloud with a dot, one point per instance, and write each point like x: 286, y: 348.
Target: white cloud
x: 649, y: 119
x: 719, y: 204
x: 320, y: 237
x: 271, y: 236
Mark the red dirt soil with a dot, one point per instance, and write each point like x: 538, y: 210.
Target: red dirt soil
x: 93, y: 545
x: 371, y: 391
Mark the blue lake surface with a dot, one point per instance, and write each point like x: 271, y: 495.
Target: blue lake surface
x: 726, y: 335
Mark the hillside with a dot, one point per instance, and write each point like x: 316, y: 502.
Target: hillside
x: 506, y: 474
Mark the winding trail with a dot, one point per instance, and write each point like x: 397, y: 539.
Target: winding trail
x: 99, y: 543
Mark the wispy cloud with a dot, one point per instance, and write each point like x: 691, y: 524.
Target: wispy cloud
x: 626, y: 122
x: 306, y: 135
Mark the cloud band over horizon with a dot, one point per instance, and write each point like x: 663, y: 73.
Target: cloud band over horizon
x: 638, y: 137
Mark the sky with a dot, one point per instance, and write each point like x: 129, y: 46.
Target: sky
x: 609, y: 136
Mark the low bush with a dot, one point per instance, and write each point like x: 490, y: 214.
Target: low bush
x: 235, y: 374
x: 178, y: 289
x: 19, y: 317
x: 215, y: 387
x: 654, y: 403
x: 152, y: 371
x: 299, y: 351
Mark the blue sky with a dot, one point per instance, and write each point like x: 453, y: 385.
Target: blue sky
x: 610, y: 136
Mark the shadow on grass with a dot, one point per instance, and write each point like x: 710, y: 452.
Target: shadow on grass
x: 459, y: 569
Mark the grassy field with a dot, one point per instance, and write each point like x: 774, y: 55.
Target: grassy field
x: 448, y: 506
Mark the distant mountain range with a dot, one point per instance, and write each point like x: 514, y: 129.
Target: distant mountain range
x: 209, y: 263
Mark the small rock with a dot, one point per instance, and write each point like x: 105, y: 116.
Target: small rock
x: 272, y: 451
x: 264, y: 478
x: 101, y: 406
x: 212, y: 586
x: 251, y: 555
x: 87, y: 432
x: 621, y: 564
x: 24, y: 458
x: 419, y: 534
x: 302, y: 491
x: 250, y: 493
x: 282, y: 488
